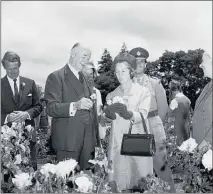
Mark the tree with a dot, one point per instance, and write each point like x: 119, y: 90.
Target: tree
x: 105, y: 63
x: 183, y: 65
x: 106, y: 81
x: 124, y: 48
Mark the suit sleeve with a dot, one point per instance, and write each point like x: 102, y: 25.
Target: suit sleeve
x: 36, y: 105
x: 53, y: 95
x: 161, y: 100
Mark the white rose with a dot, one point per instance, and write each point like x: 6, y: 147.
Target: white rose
x: 22, y: 180
x: 29, y: 128
x: 188, y: 145
x: 84, y: 184
x: 207, y: 159
x: 45, y: 169
x: 117, y: 99
x: 65, y: 167
x: 17, y: 159
x: 7, y: 132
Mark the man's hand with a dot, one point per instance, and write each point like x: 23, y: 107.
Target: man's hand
x: 11, y: 117
x: 19, y: 116
x: 84, y: 104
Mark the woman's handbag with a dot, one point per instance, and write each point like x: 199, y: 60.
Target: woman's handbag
x: 138, y: 144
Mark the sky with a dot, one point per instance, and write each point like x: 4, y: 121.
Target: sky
x: 42, y: 33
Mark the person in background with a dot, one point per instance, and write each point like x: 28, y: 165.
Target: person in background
x: 156, y: 116
x: 202, y: 117
x: 19, y: 99
x: 90, y: 74
x: 180, y: 105
x: 127, y: 170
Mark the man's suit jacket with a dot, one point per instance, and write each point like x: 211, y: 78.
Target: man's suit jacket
x: 29, y: 100
x: 202, y: 118
x: 62, y: 88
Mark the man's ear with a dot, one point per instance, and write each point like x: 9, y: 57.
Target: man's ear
x: 73, y: 52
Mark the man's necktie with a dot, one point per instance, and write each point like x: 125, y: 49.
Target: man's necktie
x: 81, y: 79
x: 16, y: 91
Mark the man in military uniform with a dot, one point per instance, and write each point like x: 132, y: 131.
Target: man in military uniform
x: 158, y: 111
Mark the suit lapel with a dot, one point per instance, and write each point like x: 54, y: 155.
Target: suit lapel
x: 73, y: 81
x: 7, y: 88
x: 204, y: 94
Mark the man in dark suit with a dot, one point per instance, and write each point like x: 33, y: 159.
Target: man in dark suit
x: 70, y: 106
x: 19, y: 98
x: 202, y: 118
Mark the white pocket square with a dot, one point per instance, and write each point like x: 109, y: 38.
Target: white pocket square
x: 29, y: 94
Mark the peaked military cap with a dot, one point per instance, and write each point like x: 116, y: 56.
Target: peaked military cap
x: 139, y: 52
x: 125, y: 57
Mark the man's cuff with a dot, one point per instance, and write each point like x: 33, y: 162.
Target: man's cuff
x: 71, y: 109
x: 5, y: 121
x: 28, y: 116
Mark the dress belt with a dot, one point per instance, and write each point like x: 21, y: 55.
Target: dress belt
x: 153, y: 113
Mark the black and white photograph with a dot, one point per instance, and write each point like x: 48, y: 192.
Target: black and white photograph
x: 106, y: 97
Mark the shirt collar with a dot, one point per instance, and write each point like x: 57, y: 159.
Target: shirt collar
x: 11, y: 80
x: 75, y: 72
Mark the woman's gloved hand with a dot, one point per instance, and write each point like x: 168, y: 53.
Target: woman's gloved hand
x: 123, y: 112
x: 112, y: 109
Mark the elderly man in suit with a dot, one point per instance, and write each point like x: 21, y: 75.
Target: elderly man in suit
x: 69, y: 104
x: 156, y: 116
x: 202, y: 118
x: 19, y: 98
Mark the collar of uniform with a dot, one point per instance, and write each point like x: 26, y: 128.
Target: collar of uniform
x: 75, y: 72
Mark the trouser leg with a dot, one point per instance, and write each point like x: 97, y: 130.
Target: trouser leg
x: 88, y: 147
x: 33, y: 154
x: 161, y: 167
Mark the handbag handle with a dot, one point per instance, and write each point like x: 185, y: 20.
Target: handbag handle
x: 143, y: 122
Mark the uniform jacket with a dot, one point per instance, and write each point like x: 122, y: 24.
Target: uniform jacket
x: 158, y: 102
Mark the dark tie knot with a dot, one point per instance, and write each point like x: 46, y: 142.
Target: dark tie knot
x: 15, y: 80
